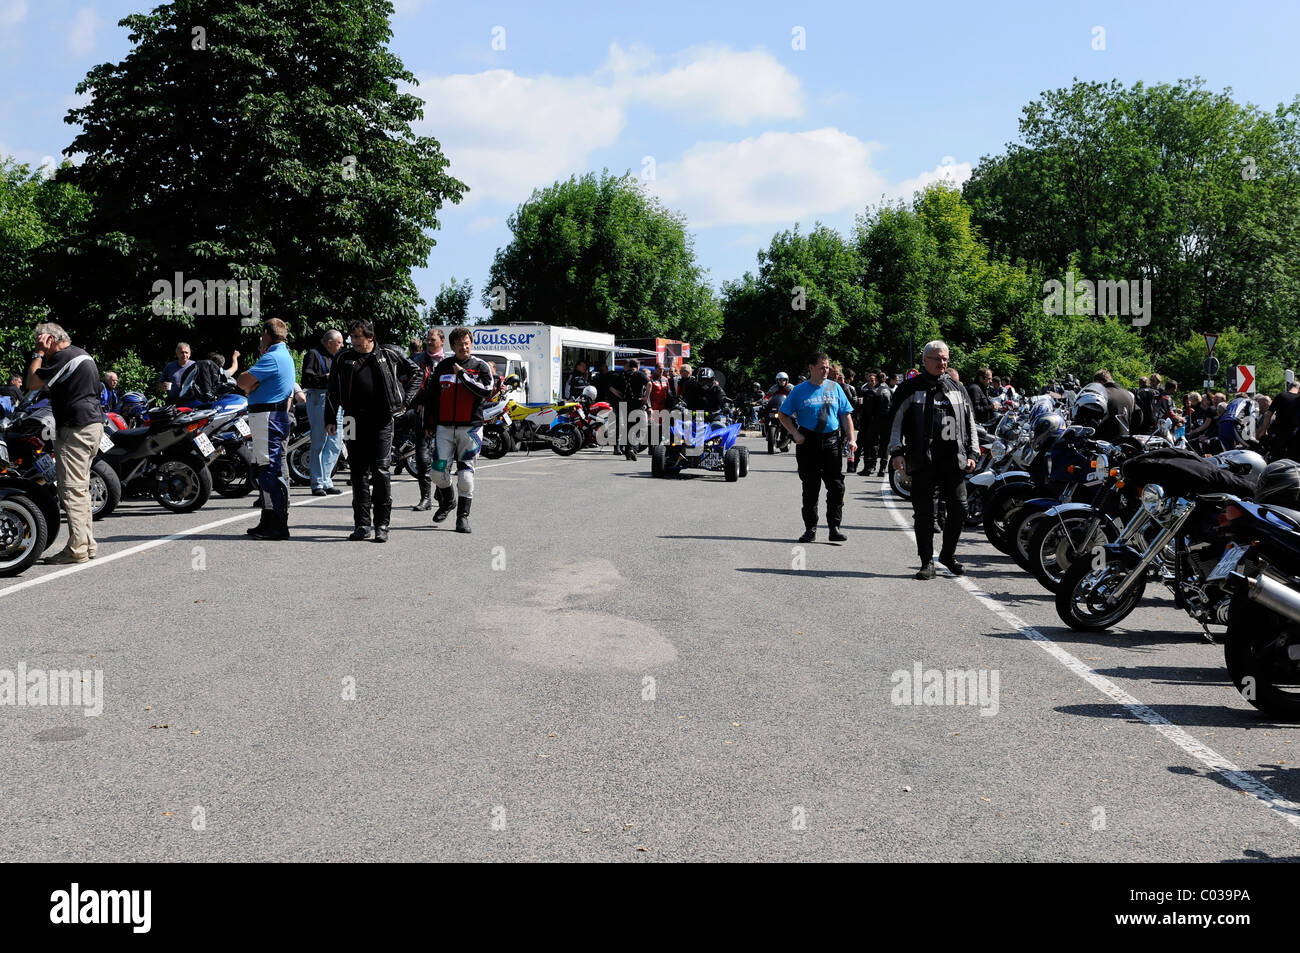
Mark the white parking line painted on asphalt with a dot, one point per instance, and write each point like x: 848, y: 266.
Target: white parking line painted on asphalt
x: 163, y: 540
x: 1216, y: 762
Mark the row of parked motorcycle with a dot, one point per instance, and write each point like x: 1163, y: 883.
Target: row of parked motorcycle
x: 1096, y: 522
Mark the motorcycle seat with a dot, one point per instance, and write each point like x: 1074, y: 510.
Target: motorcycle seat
x: 129, y: 438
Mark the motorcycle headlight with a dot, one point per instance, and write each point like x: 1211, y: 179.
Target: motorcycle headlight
x: 1153, y: 499
x: 999, y: 451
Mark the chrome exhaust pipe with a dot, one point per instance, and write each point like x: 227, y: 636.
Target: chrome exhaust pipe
x: 1275, y: 596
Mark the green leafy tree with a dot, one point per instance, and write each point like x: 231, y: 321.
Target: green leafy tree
x: 451, y: 304
x: 600, y: 254
x: 1174, y: 184
x: 262, y: 141
x: 36, y: 216
x: 927, y: 275
x: 805, y: 297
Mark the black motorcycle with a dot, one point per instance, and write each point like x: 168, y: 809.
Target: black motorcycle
x: 166, y: 458
x: 1173, y: 538
x: 1261, y: 567
x: 29, y: 518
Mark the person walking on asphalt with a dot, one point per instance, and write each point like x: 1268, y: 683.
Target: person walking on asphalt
x: 73, y: 382
x: 364, y: 383
x: 454, y: 415
x: 324, y: 451
x: 818, y: 416
x: 426, y: 360
x: 932, y: 435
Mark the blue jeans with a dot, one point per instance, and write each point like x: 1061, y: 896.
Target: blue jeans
x: 325, y: 450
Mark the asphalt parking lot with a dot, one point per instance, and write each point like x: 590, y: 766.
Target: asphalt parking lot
x: 611, y: 667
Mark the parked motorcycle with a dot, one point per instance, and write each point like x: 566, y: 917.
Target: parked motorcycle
x: 29, y: 518
x: 29, y: 436
x: 167, y: 458
x: 1173, y: 538
x: 1261, y: 567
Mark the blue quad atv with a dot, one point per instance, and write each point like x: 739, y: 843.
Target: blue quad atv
x: 702, y: 445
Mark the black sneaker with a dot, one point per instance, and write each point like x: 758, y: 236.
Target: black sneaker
x: 954, y: 567
x: 926, y: 571
x: 808, y: 536
x: 317, y: 491
x: 381, y: 534
x: 332, y: 491
x: 360, y: 533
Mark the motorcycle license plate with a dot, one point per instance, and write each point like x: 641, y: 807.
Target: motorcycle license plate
x: 45, y: 464
x: 242, y: 428
x: 105, y: 444
x: 1231, y: 556
x: 204, y: 445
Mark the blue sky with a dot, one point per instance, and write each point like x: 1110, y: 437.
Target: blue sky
x: 746, y: 134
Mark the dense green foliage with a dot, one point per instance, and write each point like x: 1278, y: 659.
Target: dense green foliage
x: 598, y: 253
x: 274, y: 145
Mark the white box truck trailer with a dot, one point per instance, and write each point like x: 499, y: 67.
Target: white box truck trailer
x: 548, y: 353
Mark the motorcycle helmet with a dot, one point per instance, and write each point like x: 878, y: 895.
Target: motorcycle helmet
x: 1090, y: 408
x: 1045, y: 430
x: 589, y: 393
x: 706, y: 373
x: 1244, y: 463
x: 133, y: 405
x: 1279, y: 484
x: 782, y: 376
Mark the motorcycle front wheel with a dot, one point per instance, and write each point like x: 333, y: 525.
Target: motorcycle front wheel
x: 1057, y: 544
x: 1080, y: 600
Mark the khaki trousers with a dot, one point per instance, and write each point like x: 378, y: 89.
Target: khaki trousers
x: 75, y: 452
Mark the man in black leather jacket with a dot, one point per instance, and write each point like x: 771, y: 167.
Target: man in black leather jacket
x: 364, y: 381
x: 933, y: 436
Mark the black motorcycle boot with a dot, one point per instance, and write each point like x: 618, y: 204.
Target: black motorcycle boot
x: 836, y: 536
x: 260, y: 528
x: 462, y: 515
x: 426, y: 495
x: 446, y: 497
x: 381, y: 533
x: 276, y: 527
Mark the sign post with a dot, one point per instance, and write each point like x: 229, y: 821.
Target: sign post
x: 1245, y: 379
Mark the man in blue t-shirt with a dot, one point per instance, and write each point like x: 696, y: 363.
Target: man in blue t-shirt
x: 818, y: 415
x: 269, y: 385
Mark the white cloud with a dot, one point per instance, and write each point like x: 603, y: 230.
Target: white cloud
x: 775, y: 177
x: 954, y: 172
x: 710, y: 82
x: 12, y: 13
x: 82, y: 33
x: 507, y: 134
x: 482, y: 224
